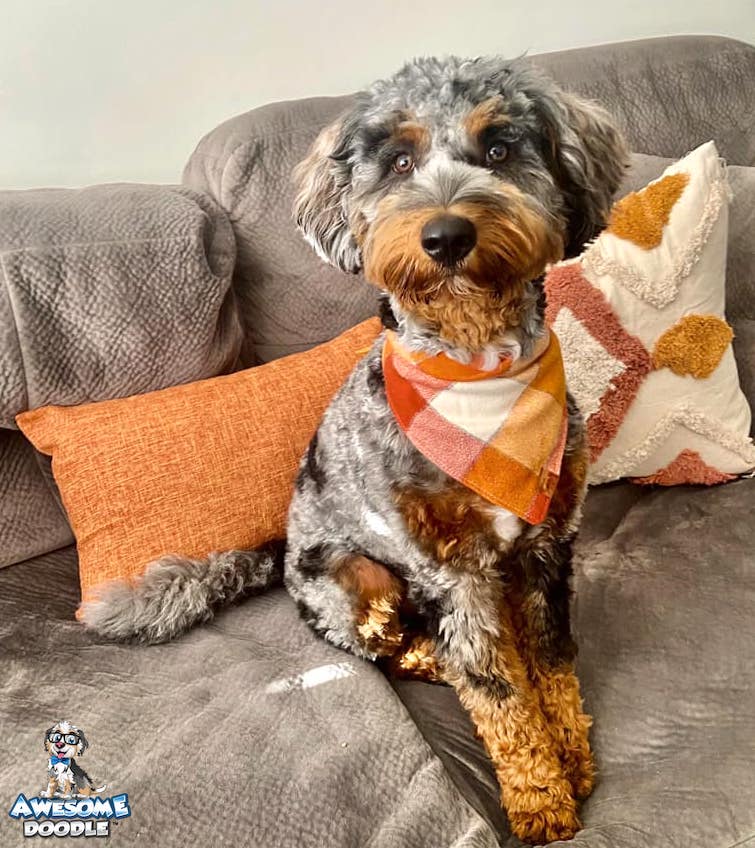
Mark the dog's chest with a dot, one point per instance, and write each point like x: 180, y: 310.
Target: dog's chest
x: 60, y: 770
x: 507, y: 526
x: 455, y: 525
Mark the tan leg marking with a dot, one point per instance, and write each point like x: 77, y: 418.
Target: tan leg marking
x: 569, y: 726
x: 534, y: 791
x: 417, y: 661
x: 558, y: 688
x: 377, y: 597
x: 561, y: 704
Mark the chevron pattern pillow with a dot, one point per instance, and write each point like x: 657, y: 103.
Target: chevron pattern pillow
x: 647, y: 349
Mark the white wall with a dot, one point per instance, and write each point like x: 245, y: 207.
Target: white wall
x: 109, y: 90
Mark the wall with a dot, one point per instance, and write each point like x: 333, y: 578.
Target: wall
x: 100, y: 90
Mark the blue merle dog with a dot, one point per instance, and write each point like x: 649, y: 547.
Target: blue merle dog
x: 451, y: 185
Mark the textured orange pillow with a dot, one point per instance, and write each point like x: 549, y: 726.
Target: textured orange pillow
x: 192, y: 469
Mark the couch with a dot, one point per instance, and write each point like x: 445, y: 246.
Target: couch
x: 250, y: 731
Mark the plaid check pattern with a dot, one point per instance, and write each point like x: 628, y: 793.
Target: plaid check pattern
x: 501, y: 433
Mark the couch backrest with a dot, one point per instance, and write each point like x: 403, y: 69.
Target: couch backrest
x: 669, y: 94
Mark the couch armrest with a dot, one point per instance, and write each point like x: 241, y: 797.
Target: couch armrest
x: 110, y: 291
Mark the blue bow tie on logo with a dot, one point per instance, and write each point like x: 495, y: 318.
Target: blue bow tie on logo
x: 55, y: 760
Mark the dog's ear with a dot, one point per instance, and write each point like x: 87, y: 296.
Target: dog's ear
x: 323, y: 181
x: 588, y: 157
x: 83, y: 744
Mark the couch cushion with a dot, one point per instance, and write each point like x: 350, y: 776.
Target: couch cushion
x: 663, y: 617
x: 669, y: 94
x: 664, y: 634
x: 740, y: 259
x: 104, y: 292
x: 647, y: 349
x: 206, y: 466
x: 32, y: 520
x: 251, y: 731
x: 290, y: 300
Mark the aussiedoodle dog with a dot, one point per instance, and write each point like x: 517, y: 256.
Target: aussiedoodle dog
x: 435, y: 509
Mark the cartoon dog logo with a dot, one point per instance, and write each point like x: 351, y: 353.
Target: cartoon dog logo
x: 65, y: 778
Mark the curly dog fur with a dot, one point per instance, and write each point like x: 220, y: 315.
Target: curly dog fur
x: 387, y: 556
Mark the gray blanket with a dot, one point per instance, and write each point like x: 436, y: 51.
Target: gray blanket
x: 251, y: 731
x: 248, y: 732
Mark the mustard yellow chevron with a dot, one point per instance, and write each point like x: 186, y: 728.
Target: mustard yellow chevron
x: 641, y: 216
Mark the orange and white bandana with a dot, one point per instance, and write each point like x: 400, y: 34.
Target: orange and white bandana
x: 501, y: 433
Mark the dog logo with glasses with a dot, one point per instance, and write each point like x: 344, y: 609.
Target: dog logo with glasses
x: 65, y: 778
x: 70, y: 805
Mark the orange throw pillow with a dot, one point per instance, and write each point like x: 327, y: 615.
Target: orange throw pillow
x: 203, y: 467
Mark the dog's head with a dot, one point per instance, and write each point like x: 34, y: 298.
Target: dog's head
x: 65, y: 740
x: 456, y: 176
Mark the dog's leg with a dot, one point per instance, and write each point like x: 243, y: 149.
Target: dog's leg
x: 550, y: 650
x: 417, y: 660
x: 377, y: 596
x: 545, y: 629
x: 480, y: 659
x: 51, y: 784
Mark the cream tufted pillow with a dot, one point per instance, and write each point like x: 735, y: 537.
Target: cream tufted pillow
x: 647, y: 349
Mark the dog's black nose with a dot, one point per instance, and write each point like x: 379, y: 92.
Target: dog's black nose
x: 448, y: 238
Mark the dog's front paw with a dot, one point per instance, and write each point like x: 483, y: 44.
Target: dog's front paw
x: 542, y: 812
x: 547, y: 824
x: 418, y: 662
x: 45, y: 793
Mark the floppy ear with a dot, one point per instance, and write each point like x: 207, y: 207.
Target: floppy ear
x: 589, y: 156
x: 47, y: 733
x: 323, y: 181
x: 83, y: 744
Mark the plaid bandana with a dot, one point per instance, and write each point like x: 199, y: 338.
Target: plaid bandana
x: 501, y: 433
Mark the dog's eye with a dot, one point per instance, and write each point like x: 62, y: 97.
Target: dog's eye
x: 496, y: 153
x: 403, y: 163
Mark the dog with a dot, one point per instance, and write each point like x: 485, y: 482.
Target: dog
x: 65, y: 778
x: 452, y: 185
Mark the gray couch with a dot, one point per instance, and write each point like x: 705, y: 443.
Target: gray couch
x: 250, y: 730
